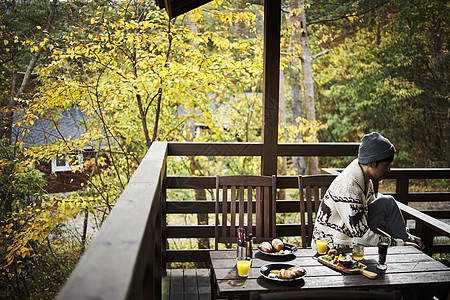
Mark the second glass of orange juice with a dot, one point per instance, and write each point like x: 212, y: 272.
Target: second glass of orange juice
x: 322, y: 246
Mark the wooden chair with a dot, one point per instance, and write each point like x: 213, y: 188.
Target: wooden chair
x: 253, y: 200
x: 312, y: 188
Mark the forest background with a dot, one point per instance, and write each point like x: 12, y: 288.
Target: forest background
x: 138, y: 77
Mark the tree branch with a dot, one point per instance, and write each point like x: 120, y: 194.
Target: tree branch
x: 348, y: 14
x: 320, y: 54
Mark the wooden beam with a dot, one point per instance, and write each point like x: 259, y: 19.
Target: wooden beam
x: 272, y: 27
x: 318, y: 149
x: 215, y: 149
x: 180, y: 7
x: 256, y: 149
x: 175, y: 8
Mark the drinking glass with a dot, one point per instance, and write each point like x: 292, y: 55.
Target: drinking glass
x: 243, y: 265
x: 322, y: 246
x: 382, y: 252
x: 357, y: 252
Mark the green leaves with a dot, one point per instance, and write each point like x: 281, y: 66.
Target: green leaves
x: 376, y: 79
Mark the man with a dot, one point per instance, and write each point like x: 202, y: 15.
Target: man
x: 351, y: 212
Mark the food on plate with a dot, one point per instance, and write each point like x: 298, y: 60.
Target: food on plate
x: 291, y: 273
x: 333, y: 252
x: 340, y: 259
x: 277, y: 244
x: 345, y: 262
x: 266, y: 247
x: 285, y: 251
x: 298, y: 271
x: 286, y: 274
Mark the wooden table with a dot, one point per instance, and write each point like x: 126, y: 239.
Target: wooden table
x: 409, y: 270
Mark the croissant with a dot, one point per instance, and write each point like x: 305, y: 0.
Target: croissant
x: 277, y: 244
x: 266, y: 247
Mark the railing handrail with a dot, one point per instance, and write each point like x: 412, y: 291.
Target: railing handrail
x: 406, y: 173
x: 127, y: 251
x: 256, y: 149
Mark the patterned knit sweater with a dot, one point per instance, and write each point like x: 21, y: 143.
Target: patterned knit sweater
x: 343, y: 212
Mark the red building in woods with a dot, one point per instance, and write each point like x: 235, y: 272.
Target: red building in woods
x: 66, y: 171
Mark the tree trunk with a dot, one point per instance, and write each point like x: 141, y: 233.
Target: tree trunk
x: 143, y: 117
x: 85, y: 226
x: 143, y: 112
x: 295, y: 80
x: 200, y: 194
x: 7, y: 120
x: 6, y: 130
x: 308, y: 84
x: 160, y: 90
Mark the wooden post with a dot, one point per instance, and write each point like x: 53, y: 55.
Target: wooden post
x: 271, y: 85
x: 402, y: 190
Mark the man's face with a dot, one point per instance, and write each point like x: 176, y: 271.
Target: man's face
x: 377, y: 172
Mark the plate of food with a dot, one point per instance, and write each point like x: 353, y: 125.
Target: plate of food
x: 277, y: 248
x: 282, y: 272
x: 345, y: 264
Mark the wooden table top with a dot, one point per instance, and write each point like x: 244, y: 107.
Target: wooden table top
x: 407, y: 267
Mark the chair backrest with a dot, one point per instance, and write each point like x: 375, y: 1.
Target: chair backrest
x: 253, y: 200
x: 312, y: 188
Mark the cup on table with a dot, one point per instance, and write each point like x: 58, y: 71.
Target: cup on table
x: 382, y: 252
x: 243, y: 265
x: 357, y: 252
x: 322, y: 246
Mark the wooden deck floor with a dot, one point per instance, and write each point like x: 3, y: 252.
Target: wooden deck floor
x: 186, y: 284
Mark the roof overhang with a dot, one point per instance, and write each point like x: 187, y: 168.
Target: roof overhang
x: 175, y: 8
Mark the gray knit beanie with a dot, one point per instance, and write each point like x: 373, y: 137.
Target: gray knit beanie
x: 374, y: 147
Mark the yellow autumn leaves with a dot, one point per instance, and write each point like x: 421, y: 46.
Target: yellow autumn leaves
x: 33, y: 225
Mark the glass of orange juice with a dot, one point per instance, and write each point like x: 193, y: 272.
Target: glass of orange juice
x: 322, y: 246
x: 243, y: 265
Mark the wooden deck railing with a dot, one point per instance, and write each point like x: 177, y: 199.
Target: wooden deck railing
x: 126, y: 258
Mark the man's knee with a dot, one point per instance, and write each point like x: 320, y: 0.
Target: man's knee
x: 386, y: 201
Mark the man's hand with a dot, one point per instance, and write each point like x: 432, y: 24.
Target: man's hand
x: 415, y: 241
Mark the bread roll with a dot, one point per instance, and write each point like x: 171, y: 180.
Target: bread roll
x: 298, y: 271
x: 286, y: 274
x: 266, y: 247
x: 277, y: 244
